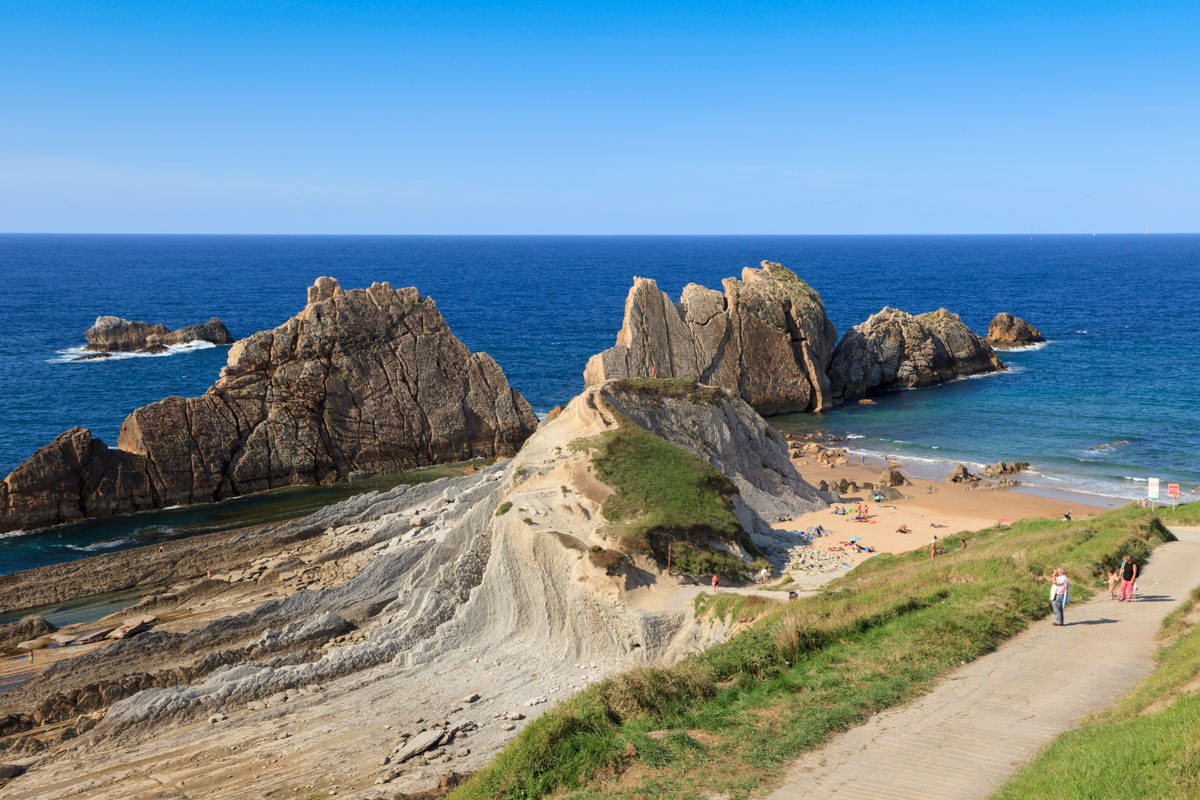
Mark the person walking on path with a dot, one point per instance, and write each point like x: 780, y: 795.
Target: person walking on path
x: 1129, y: 573
x: 1059, y: 595
x: 714, y: 582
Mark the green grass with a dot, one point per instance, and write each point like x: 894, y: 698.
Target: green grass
x: 665, y: 496
x: 1145, y: 745
x: 503, y: 508
x: 735, y: 714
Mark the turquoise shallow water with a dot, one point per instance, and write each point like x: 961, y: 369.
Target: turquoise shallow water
x: 1120, y: 313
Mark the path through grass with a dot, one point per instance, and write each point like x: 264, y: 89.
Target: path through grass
x: 730, y: 719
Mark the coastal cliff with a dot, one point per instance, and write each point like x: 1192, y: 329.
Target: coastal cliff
x: 897, y: 350
x: 767, y: 338
x: 366, y: 379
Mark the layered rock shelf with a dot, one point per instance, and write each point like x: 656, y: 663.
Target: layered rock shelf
x: 366, y: 379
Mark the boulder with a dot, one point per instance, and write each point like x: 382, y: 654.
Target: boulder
x: 1001, y: 468
x: 892, y: 476
x: 1007, y: 331
x: 897, y: 350
x: 366, y: 379
x: 960, y: 474
x: 767, y: 337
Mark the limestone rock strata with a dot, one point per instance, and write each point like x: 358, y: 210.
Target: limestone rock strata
x: 897, y: 350
x: 767, y: 338
x: 366, y: 379
x: 115, y: 335
x: 1007, y: 331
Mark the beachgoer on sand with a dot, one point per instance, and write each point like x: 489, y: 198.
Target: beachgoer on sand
x: 1129, y: 573
x: 1060, y: 595
x: 161, y: 552
x: 1113, y: 577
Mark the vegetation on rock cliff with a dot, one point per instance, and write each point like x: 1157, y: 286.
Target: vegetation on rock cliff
x: 728, y: 720
x: 665, y: 496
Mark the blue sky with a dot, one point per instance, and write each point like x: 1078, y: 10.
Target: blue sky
x: 330, y: 117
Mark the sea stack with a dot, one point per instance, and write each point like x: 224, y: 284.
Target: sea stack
x: 895, y: 350
x: 1008, y: 332
x: 766, y: 338
x: 366, y: 379
x: 116, y: 335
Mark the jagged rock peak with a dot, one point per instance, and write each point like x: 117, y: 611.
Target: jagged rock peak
x: 365, y: 379
x: 767, y: 338
x: 1007, y: 331
x: 894, y: 349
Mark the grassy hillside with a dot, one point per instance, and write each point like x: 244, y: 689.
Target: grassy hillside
x: 1148, y: 744
x: 665, y: 496
x: 729, y: 719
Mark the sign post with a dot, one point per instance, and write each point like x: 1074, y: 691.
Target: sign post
x: 1152, y: 490
x: 1173, y: 493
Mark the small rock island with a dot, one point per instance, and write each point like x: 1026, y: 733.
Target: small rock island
x: 116, y: 335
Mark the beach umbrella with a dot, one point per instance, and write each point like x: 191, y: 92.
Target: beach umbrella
x: 855, y: 539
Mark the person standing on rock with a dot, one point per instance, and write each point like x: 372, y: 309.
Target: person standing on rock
x: 1129, y: 573
x: 1059, y: 593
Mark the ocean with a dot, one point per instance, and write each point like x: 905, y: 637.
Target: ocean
x: 1109, y: 401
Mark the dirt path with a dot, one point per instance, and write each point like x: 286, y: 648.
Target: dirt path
x: 967, y: 736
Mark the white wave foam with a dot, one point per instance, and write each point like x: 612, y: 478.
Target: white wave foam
x: 855, y: 436
x: 1028, y: 348
x: 71, y: 354
x: 108, y: 544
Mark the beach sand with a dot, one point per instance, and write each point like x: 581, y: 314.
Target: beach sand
x: 951, y: 505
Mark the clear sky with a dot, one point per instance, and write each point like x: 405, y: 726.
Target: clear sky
x: 569, y: 117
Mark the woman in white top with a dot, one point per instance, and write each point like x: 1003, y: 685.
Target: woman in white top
x: 1059, y: 593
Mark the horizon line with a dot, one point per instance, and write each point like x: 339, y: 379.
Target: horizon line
x: 1031, y: 234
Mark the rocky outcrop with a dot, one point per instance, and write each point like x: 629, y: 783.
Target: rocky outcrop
x: 116, y: 335
x: 1007, y: 331
x: 894, y: 350
x: 728, y: 434
x: 960, y: 474
x: 367, y: 379
x: 766, y: 338
x: 892, y: 476
x: 30, y: 627
x: 1002, y: 468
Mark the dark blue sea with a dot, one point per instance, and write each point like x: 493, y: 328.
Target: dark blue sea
x: 1120, y: 313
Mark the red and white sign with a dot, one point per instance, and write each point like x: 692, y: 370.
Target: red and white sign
x: 1173, y: 490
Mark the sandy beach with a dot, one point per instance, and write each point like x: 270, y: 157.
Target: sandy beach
x: 928, y: 508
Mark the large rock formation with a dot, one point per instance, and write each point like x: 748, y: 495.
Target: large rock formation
x: 367, y: 379
x: 1007, y: 331
x: 766, y: 338
x: 894, y: 350
x: 478, y: 587
x: 117, y: 335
